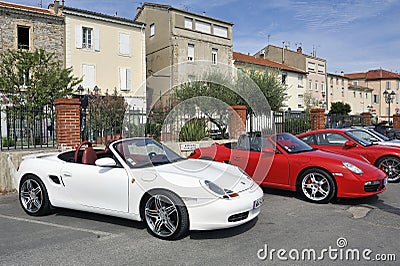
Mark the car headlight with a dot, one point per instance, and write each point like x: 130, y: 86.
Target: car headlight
x: 353, y: 168
x: 214, y: 188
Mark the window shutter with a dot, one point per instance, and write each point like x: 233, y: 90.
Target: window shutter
x: 124, y: 44
x: 78, y: 37
x: 122, y: 79
x: 128, y: 79
x: 96, y: 33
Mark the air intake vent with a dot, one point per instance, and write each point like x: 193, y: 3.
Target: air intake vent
x: 55, y: 179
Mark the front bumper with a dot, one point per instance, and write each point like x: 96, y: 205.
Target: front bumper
x: 225, y: 213
x: 355, y: 187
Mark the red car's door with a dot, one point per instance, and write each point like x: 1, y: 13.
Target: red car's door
x: 335, y: 142
x: 264, y: 166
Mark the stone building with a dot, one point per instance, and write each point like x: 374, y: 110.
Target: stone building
x: 315, y: 67
x: 178, y: 40
x: 26, y: 27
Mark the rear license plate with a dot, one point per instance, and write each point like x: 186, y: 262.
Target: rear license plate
x: 258, y: 202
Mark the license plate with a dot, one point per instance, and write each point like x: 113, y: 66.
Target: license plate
x: 258, y: 202
x: 385, y: 180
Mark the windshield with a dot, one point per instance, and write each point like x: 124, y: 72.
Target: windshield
x: 359, y: 140
x: 381, y: 136
x: 145, y: 152
x: 290, y: 143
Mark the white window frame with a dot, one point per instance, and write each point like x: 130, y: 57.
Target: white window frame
x: 125, y: 79
x: 214, y: 56
x: 387, y: 84
x: 124, y: 44
x: 316, y: 85
x: 152, y: 30
x: 321, y: 69
x: 311, y: 67
x: 82, y: 40
x: 190, y: 52
x: 202, y: 26
x: 220, y: 31
x: 188, y: 23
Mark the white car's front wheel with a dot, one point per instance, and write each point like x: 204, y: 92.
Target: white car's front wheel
x: 166, y: 215
x: 33, y: 196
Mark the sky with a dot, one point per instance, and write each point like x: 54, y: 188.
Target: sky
x: 353, y: 36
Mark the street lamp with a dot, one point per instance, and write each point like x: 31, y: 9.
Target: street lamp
x: 323, y: 99
x: 389, y: 96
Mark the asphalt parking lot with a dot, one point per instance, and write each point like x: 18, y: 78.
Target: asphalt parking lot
x: 369, y: 225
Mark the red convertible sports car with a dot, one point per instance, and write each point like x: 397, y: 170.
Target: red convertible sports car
x: 343, y: 141
x: 285, y: 162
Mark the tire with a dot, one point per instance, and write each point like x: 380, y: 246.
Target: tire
x: 391, y: 166
x: 165, y: 215
x: 33, y: 196
x: 317, y: 186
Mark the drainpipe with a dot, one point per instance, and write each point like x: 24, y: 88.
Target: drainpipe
x: 144, y: 67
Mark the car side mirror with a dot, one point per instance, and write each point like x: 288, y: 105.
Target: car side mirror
x: 106, y: 162
x: 349, y: 144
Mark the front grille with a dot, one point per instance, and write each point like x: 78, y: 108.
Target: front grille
x: 374, y: 186
x: 371, y: 188
x: 238, y: 217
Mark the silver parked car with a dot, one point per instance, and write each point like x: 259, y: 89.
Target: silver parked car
x: 373, y: 136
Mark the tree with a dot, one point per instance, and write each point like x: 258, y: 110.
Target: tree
x: 273, y: 89
x: 215, y: 90
x: 34, y: 79
x: 340, y: 108
x: 106, y: 114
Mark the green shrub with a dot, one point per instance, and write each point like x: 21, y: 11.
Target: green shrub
x: 8, y: 142
x: 194, y: 130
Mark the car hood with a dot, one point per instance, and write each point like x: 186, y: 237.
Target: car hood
x: 193, y: 171
x: 323, y: 157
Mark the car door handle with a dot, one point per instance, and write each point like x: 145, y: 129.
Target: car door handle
x: 236, y: 158
x: 66, y: 174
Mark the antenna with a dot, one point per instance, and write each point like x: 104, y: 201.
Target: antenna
x: 269, y: 35
x: 40, y: 3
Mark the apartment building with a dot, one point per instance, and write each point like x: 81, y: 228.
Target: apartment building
x: 108, y: 52
x: 293, y: 78
x: 314, y: 66
x: 385, y: 88
x: 177, y: 39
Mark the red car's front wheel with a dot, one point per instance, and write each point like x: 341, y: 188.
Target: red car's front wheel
x: 316, y: 186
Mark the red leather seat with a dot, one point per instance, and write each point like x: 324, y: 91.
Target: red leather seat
x: 89, y: 156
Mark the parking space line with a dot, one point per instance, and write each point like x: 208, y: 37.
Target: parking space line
x: 96, y: 232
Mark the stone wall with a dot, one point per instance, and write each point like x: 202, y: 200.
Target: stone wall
x: 46, y: 30
x: 9, y: 162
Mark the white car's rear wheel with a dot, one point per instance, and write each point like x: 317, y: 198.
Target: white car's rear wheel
x: 166, y: 216
x: 33, y: 196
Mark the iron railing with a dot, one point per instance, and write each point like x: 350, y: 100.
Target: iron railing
x: 26, y: 128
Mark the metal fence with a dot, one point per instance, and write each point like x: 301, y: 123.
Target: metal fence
x: 343, y: 121
x: 26, y: 128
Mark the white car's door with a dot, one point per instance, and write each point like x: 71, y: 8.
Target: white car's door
x: 95, y: 186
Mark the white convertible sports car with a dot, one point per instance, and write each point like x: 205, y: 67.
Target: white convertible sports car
x: 142, y: 180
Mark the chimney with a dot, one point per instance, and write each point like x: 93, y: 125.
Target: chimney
x: 299, y: 50
x: 138, y: 10
x: 56, y: 6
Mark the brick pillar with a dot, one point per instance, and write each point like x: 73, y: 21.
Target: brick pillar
x: 366, y: 118
x: 68, y: 121
x: 317, y: 118
x: 237, y: 120
x: 396, y: 121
